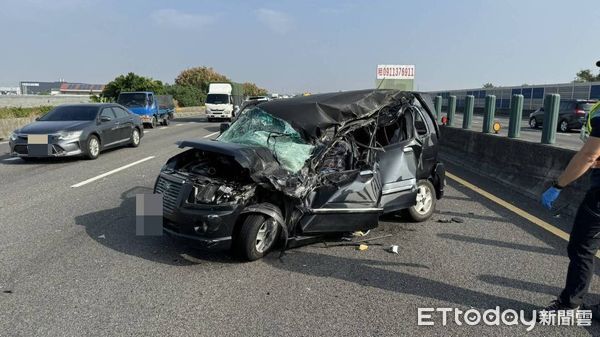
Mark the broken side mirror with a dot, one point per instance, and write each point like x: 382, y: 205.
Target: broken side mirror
x: 223, y: 127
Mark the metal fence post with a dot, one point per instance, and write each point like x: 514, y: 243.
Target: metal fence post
x: 451, y: 109
x: 488, y: 113
x: 468, y: 115
x: 551, y: 103
x: 516, y: 114
x: 438, y: 108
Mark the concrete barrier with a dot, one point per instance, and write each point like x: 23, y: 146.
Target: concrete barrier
x: 7, y: 125
x: 527, y: 168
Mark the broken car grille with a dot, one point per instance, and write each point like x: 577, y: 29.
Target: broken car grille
x: 170, y: 191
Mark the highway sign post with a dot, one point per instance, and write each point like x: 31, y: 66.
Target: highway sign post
x: 438, y: 108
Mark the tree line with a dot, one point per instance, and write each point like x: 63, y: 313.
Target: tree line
x: 189, y: 89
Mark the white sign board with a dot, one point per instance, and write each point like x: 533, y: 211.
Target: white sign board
x: 396, y: 72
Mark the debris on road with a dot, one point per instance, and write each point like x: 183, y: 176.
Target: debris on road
x: 102, y: 236
x: 458, y: 220
x: 444, y: 220
x: 393, y: 249
x: 362, y: 247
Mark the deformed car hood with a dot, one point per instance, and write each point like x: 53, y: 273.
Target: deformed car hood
x: 259, y: 161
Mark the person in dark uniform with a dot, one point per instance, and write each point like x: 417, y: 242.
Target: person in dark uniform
x: 585, y: 235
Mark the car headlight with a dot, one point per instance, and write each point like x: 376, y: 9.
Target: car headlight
x: 207, y: 110
x: 13, y: 136
x: 65, y: 135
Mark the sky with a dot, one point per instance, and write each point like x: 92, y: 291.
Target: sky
x: 293, y: 46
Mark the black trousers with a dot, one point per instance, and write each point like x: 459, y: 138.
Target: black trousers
x: 583, y: 245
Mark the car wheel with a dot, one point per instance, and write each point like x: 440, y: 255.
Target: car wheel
x: 209, y: 120
x: 426, y: 200
x: 166, y: 121
x: 153, y: 123
x: 92, y: 149
x: 170, y: 116
x: 563, y: 126
x: 533, y: 123
x: 257, y: 236
x: 135, y: 138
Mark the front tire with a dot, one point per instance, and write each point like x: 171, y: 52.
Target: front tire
x: 92, y: 149
x: 257, y: 236
x: 135, y: 138
x: 426, y: 200
x: 153, y: 123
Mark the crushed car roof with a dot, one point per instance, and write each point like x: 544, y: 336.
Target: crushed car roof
x: 313, y: 114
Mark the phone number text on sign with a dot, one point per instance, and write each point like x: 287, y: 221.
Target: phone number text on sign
x: 395, y: 72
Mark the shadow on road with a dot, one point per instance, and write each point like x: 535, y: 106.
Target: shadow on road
x: 368, y: 273
x: 115, y: 229
x: 501, y: 244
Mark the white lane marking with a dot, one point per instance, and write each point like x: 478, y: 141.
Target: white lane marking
x: 179, y: 124
x: 3, y: 142
x: 211, y: 134
x: 146, y: 131
x: 11, y: 159
x: 111, y: 172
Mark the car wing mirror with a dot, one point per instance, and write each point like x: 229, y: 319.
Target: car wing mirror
x: 37, y: 118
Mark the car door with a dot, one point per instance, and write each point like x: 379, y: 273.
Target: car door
x: 108, y: 126
x: 125, y: 123
x: 343, y: 201
x: 400, y: 163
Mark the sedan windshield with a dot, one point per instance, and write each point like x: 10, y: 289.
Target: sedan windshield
x: 258, y: 128
x: 71, y: 113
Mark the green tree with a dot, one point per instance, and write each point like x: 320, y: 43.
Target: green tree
x: 586, y: 75
x: 200, y: 77
x: 488, y: 85
x: 131, y: 82
x: 251, y: 89
x: 186, y: 95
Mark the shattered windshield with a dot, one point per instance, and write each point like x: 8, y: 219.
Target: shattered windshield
x: 256, y: 127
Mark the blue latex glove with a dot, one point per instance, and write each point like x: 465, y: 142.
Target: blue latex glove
x: 550, y: 196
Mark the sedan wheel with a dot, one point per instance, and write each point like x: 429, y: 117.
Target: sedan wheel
x: 135, y: 138
x: 425, y: 205
x: 93, y: 147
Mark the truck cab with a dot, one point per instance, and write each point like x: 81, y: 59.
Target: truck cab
x: 145, y: 105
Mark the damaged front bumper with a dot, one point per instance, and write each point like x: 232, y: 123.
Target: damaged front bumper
x: 207, y: 226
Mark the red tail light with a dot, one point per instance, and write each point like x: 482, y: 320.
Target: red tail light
x: 579, y: 112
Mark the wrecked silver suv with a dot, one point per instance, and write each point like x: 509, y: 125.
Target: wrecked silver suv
x: 293, y: 170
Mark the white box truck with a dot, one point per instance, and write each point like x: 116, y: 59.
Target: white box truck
x: 223, y: 100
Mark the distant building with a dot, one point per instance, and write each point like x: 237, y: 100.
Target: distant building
x: 59, y: 88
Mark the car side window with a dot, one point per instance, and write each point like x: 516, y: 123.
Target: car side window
x: 120, y: 113
x: 107, y: 112
x: 150, y: 99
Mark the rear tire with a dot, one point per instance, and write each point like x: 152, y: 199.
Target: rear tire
x: 257, y: 236
x: 134, y: 141
x: 153, y: 123
x: 426, y: 200
x: 563, y: 125
x: 92, y: 147
x: 165, y: 122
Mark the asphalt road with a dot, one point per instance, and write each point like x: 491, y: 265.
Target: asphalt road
x: 71, y: 265
x: 568, y: 140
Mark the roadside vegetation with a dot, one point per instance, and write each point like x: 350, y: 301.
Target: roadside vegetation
x: 18, y: 112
